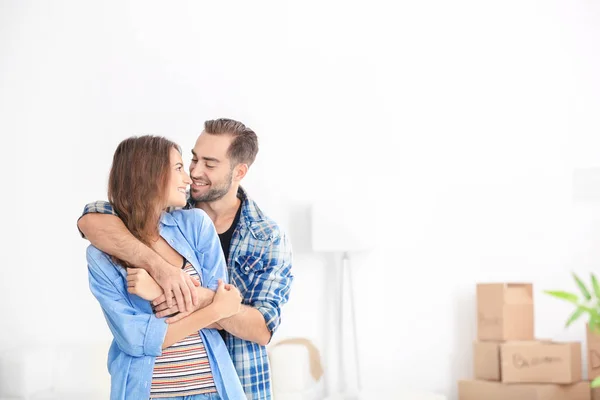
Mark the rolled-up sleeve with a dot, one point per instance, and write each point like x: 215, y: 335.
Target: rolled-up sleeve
x: 99, y: 207
x: 155, y: 336
x: 136, y: 333
x: 270, y: 288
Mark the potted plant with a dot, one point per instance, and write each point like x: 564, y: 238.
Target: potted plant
x: 586, y: 303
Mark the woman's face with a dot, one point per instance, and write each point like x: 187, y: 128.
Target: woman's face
x: 179, y: 180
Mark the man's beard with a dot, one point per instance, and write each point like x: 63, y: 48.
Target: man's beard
x: 215, y: 192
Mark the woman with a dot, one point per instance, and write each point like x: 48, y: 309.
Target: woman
x: 149, y: 358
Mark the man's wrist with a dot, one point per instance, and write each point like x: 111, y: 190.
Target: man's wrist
x: 157, y: 268
x: 151, y: 261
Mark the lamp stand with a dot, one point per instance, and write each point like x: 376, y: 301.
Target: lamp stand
x: 342, y: 384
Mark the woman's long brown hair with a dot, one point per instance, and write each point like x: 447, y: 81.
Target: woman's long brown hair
x: 137, y: 183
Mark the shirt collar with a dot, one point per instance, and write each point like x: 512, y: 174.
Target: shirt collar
x: 167, y: 219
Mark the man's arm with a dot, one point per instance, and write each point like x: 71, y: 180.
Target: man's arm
x: 266, y: 294
x: 108, y: 233
x: 248, y: 324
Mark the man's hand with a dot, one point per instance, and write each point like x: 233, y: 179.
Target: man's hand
x: 176, y: 284
x: 140, y: 283
x: 162, y: 309
x: 227, y: 300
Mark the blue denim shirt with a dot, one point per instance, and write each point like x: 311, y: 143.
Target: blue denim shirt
x: 138, y: 334
x: 260, y: 265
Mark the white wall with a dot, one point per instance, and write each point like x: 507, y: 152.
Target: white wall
x: 457, y: 125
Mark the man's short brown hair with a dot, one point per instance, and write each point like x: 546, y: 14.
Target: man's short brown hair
x: 243, y: 147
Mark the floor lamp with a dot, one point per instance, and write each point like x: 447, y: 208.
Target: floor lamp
x: 340, y: 229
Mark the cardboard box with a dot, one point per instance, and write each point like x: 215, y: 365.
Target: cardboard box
x: 540, y: 362
x: 486, y: 360
x: 486, y: 390
x: 593, y: 354
x: 504, y: 311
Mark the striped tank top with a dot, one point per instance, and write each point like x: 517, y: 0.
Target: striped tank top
x: 183, y: 368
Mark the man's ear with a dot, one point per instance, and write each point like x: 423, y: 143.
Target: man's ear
x: 240, y: 172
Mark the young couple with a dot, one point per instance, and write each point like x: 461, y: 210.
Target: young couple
x: 191, y: 283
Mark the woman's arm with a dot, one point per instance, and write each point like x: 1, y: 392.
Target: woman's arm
x: 227, y: 302
x: 142, y: 334
x: 135, y: 332
x: 106, y: 231
x: 192, y: 323
x: 140, y: 283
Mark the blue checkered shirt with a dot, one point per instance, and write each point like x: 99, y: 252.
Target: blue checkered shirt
x: 259, y: 265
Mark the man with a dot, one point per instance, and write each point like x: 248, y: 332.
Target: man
x: 257, y: 251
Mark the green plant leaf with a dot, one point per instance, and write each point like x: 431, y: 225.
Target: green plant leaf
x: 570, y: 297
x: 596, y: 382
x: 576, y: 314
x: 595, y: 285
x: 584, y: 291
x: 594, y: 325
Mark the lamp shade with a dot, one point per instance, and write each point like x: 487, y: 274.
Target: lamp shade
x: 339, y: 226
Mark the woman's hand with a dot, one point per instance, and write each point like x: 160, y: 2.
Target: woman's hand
x: 140, y: 283
x: 227, y: 300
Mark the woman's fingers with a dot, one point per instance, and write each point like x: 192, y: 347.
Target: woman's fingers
x: 167, y: 312
x: 162, y: 306
x: 161, y: 299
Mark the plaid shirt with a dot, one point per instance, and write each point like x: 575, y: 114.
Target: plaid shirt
x: 259, y: 265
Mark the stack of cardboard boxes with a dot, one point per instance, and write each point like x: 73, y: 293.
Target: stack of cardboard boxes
x: 509, y: 363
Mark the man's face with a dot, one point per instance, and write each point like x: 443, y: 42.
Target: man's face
x: 211, y: 170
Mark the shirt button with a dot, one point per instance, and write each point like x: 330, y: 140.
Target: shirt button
x: 246, y: 269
